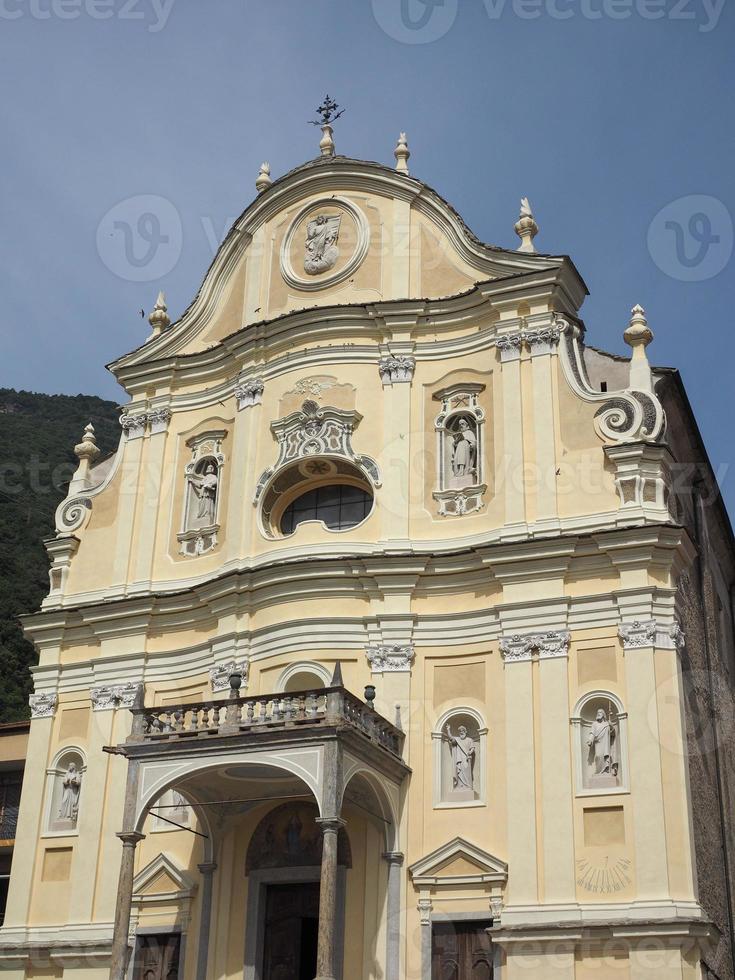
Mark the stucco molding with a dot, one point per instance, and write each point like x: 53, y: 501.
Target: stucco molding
x: 249, y: 393
x: 427, y: 872
x: 109, y: 697
x: 43, y: 705
x: 390, y: 658
x: 640, y: 634
x: 520, y: 647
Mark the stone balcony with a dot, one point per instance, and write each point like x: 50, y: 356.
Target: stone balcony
x: 197, y: 722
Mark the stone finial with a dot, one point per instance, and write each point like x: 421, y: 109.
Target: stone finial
x: 638, y: 336
x: 326, y: 143
x: 526, y: 227
x: 402, y: 153
x: 263, y: 180
x: 87, y: 448
x: 86, y: 452
x: 159, y: 318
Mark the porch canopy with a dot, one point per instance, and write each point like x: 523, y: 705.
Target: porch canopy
x: 317, y: 742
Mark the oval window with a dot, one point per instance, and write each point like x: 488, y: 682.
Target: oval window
x: 339, y: 506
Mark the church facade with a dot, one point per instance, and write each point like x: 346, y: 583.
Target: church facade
x: 395, y: 640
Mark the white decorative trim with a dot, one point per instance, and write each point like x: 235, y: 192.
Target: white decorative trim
x: 303, y: 667
x: 509, y: 345
x: 425, y: 906
x: 651, y: 633
x: 159, y: 419
x: 43, y: 705
x: 637, y: 634
x: 219, y: 675
x: 134, y: 426
x: 426, y: 873
x: 396, y: 369
x: 390, y: 658
x: 312, y: 284
x: 249, y: 393
x: 521, y: 646
x: 111, y: 696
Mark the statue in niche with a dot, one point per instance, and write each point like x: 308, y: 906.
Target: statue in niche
x: 71, y: 783
x: 603, y: 762
x: 463, y: 758
x: 204, y: 483
x: 602, y: 743
x: 321, y: 243
x: 463, y: 458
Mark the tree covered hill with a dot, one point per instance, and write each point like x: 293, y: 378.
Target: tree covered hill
x: 37, y: 438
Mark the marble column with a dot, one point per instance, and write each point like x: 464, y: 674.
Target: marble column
x: 205, y: 918
x: 393, y: 912
x: 325, y: 965
x: 120, y: 950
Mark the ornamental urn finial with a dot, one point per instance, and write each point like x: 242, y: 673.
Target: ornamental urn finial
x: 86, y: 452
x: 526, y: 227
x: 263, y: 180
x: 87, y: 448
x: 159, y: 318
x: 639, y: 335
x: 402, y: 153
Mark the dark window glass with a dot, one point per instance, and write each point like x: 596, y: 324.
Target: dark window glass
x: 339, y: 507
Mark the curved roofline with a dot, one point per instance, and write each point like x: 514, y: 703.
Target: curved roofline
x: 278, y: 196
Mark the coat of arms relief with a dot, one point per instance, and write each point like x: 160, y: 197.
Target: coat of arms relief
x: 321, y: 251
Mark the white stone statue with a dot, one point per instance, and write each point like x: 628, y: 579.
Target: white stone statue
x: 463, y: 756
x: 464, y: 450
x: 71, y: 787
x: 204, y: 485
x: 602, y: 743
x: 321, y: 243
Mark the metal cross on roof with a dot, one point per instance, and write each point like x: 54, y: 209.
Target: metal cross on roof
x: 328, y: 111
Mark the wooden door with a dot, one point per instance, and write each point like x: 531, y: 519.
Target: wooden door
x: 461, y: 951
x: 157, y: 957
x: 291, y: 923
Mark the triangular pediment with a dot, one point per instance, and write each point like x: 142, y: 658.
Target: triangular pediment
x: 163, y: 879
x: 458, y: 863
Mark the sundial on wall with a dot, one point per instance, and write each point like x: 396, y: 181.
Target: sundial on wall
x: 604, y: 875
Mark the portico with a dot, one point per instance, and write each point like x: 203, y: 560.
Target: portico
x: 324, y: 749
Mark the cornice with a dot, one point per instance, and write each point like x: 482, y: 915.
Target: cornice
x: 272, y: 346
x: 375, y: 575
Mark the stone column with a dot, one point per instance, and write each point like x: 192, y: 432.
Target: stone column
x: 393, y: 912
x: 328, y: 898
x: 205, y: 919
x: 120, y: 950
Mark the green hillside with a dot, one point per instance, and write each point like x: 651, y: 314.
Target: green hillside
x: 37, y: 438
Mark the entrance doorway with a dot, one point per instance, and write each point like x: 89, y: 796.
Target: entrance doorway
x: 461, y: 951
x: 291, y: 929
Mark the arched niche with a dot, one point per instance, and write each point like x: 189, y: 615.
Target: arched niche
x: 304, y: 676
x: 202, y: 493
x: 64, y: 792
x: 460, y: 758
x: 289, y: 836
x: 600, y: 744
x: 460, y: 450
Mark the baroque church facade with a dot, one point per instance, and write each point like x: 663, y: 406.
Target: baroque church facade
x: 395, y: 640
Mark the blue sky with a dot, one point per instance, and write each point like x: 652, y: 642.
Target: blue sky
x: 613, y: 116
